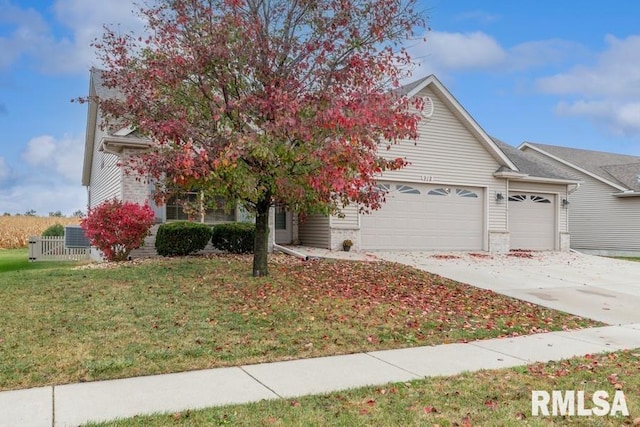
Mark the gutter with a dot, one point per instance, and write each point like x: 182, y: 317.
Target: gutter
x: 628, y: 194
x: 290, y: 252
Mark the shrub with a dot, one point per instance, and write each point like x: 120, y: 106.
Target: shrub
x: 56, y: 230
x: 182, y: 238
x: 236, y: 237
x: 117, y: 228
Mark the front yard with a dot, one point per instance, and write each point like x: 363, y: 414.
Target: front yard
x: 63, y: 325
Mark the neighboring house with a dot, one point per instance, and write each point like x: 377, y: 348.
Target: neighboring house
x: 605, y: 208
x: 463, y: 190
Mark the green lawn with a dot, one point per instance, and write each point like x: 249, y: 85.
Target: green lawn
x: 18, y: 260
x: 486, y: 398
x: 64, y: 325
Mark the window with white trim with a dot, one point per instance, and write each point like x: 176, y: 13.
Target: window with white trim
x: 540, y: 199
x: 466, y: 193
x: 405, y: 189
x: 444, y: 191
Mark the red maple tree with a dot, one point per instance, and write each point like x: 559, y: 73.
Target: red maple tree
x: 266, y: 102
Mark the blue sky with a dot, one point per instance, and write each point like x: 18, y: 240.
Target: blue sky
x: 564, y: 73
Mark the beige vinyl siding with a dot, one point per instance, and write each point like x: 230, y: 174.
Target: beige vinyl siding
x: 601, y: 221
x: 314, y: 231
x: 559, y: 192
x: 597, y: 219
x: 349, y: 220
x: 106, y: 175
x: 448, y: 153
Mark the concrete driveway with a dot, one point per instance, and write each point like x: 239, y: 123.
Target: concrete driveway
x: 599, y: 288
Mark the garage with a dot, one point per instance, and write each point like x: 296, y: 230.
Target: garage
x: 532, y: 221
x: 426, y: 217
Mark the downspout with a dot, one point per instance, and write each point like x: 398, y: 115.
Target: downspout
x: 291, y: 252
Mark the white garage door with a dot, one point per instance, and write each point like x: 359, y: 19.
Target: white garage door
x: 426, y: 217
x: 532, y: 221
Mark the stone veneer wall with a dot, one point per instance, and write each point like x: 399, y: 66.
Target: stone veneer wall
x: 565, y: 242
x: 135, y: 188
x: 339, y: 235
x: 499, y: 242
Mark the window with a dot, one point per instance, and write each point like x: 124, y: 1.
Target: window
x: 190, y: 207
x: 518, y: 198
x: 439, y: 192
x: 281, y: 218
x: 466, y: 193
x: 540, y: 199
x: 384, y: 188
x: 405, y: 189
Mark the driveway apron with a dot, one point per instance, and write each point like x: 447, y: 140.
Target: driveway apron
x: 598, y: 288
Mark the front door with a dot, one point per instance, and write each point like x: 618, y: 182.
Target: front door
x: 283, y: 226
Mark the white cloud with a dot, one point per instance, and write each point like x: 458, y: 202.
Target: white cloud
x: 40, y: 150
x: 63, y: 157
x: 43, y: 198
x: 447, y: 52
x: 605, y: 91
x: 54, y: 51
x: 615, y: 73
x: 458, y: 51
x: 29, y: 30
x: 47, y: 179
x: 619, y: 118
x: 86, y: 21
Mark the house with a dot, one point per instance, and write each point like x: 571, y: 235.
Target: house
x: 605, y: 208
x: 104, y: 177
x: 463, y: 190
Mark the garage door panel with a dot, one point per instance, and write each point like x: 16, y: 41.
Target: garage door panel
x: 532, y: 221
x: 426, y: 217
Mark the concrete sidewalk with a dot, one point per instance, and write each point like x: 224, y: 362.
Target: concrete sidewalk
x: 74, y: 404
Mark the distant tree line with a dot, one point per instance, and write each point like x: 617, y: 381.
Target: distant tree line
x: 54, y: 214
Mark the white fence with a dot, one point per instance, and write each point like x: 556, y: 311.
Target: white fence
x: 53, y: 249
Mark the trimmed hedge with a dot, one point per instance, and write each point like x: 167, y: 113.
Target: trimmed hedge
x: 182, y: 238
x: 234, y: 237
x: 56, y: 230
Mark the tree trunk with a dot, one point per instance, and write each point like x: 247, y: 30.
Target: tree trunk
x: 261, y: 242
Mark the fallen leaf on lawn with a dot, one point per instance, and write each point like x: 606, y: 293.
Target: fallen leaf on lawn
x: 295, y: 403
x: 430, y: 410
x: 491, y: 404
x: 520, y: 416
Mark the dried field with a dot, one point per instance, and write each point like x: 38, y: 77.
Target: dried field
x: 15, y: 230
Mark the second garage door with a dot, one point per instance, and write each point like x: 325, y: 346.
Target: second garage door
x: 426, y: 217
x: 532, y: 221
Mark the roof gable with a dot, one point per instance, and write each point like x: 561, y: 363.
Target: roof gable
x: 619, y: 171
x: 414, y: 88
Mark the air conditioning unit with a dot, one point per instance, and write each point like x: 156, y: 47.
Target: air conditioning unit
x: 74, y: 237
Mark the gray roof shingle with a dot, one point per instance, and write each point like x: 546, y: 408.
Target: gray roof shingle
x: 621, y: 169
x: 528, y: 164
